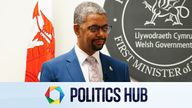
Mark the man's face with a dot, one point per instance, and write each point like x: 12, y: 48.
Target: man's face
x: 92, y: 33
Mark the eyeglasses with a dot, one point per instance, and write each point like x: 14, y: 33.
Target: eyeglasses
x: 95, y: 28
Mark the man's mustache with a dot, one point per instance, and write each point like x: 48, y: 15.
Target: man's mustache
x: 104, y: 39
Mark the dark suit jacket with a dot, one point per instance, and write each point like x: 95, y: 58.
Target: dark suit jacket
x: 66, y: 68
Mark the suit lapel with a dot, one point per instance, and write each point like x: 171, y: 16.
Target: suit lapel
x: 107, y: 69
x: 74, y: 67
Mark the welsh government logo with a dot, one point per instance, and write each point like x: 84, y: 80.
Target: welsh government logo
x: 153, y: 36
x: 54, y: 90
x: 172, y: 10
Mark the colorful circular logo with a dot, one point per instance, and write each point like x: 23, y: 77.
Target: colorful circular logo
x: 50, y: 90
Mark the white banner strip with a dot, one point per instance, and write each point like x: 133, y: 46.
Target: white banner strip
x: 95, y: 95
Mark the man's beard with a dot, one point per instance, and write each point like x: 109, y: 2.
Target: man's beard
x: 95, y: 47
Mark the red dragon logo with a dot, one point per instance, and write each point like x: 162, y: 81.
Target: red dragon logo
x: 43, y: 47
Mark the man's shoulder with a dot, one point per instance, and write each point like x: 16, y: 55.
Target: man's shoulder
x: 112, y: 59
x: 62, y: 58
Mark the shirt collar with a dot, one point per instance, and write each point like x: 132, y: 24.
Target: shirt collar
x: 81, y: 55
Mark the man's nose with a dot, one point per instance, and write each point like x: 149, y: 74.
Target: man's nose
x: 101, y: 33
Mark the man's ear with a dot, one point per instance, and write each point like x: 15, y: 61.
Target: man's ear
x: 76, y: 29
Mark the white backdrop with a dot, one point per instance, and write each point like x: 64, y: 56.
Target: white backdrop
x: 16, y: 28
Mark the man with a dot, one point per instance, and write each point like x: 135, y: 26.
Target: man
x: 84, y: 63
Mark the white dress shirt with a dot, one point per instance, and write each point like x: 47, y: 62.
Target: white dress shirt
x: 81, y: 56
